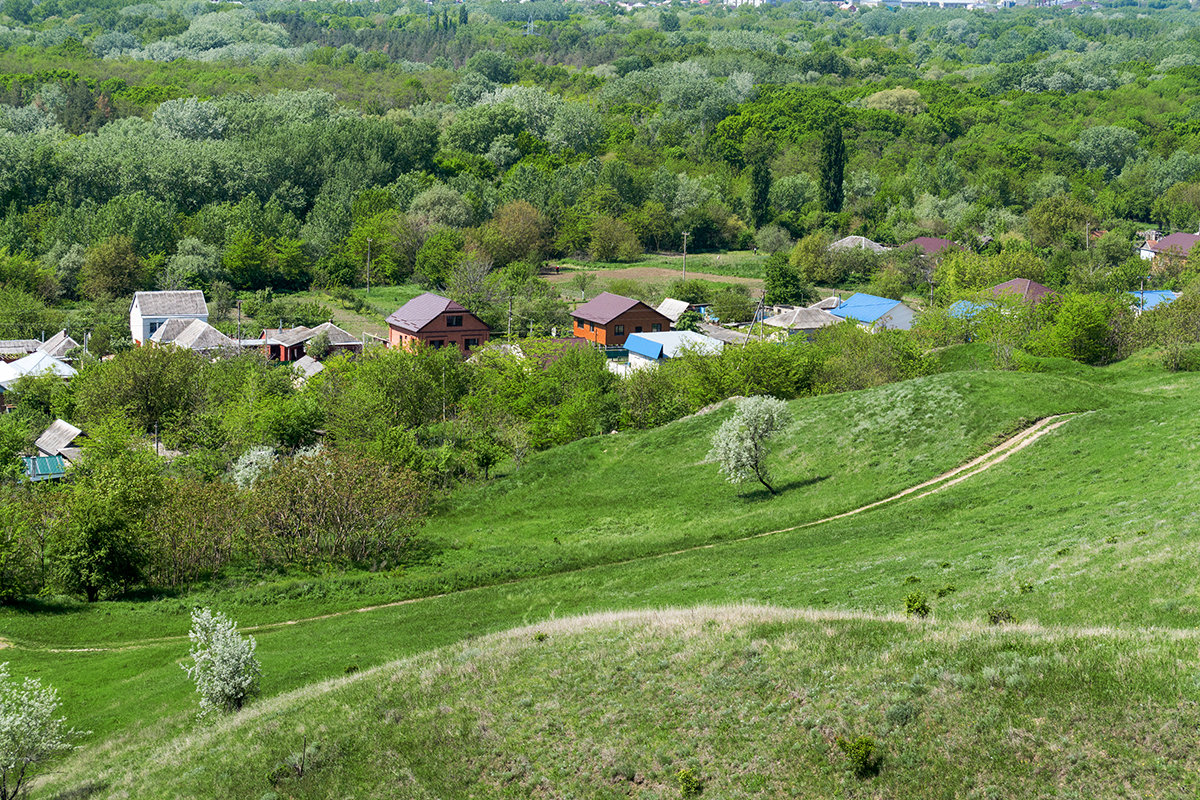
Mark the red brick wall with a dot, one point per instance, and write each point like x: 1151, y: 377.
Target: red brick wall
x: 439, y: 331
x: 639, y: 317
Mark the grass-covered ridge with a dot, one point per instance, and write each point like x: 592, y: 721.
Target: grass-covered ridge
x: 751, y: 700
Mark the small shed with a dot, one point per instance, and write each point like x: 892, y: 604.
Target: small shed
x: 306, y: 368
x: 646, y: 349
x: 59, y: 345
x: 672, y: 309
x: 44, y: 468
x: 59, y: 440
x: 876, y: 313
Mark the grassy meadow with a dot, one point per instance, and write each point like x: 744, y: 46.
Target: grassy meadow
x: 1085, y: 539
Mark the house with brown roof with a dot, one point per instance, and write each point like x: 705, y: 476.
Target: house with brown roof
x: 288, y: 344
x: 931, y: 246
x: 609, y: 319
x: 1031, y: 292
x: 437, y: 321
x: 1173, y: 247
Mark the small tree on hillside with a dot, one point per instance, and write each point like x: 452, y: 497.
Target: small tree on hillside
x: 739, y: 447
x: 223, y: 666
x: 29, y: 731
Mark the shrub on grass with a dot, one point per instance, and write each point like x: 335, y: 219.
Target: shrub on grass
x: 862, y: 754
x: 224, y: 666
x: 949, y: 588
x: 690, y: 784
x: 30, y: 733
x: 1000, y: 616
x: 916, y: 605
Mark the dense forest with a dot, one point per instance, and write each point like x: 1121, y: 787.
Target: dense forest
x: 262, y: 149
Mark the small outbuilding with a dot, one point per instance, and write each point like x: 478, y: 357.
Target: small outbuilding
x: 610, y: 319
x: 876, y: 313
x: 1031, y: 292
x: 802, y: 320
x: 1146, y: 300
x: 857, y: 243
x: 59, y: 440
x: 672, y: 309
x: 193, y: 334
x: 436, y: 321
x: 288, y: 344
x: 650, y: 348
x: 932, y: 246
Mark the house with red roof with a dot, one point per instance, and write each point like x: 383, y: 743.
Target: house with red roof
x: 437, y: 321
x: 608, y: 319
x: 931, y: 246
x: 1031, y: 292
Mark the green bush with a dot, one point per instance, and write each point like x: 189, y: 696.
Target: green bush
x: 1000, y: 616
x: 916, y: 605
x: 690, y: 784
x: 863, y: 755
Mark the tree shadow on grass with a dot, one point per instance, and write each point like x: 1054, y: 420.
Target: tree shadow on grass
x: 761, y: 494
x: 90, y: 789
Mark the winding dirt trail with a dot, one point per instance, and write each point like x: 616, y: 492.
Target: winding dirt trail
x: 996, y: 455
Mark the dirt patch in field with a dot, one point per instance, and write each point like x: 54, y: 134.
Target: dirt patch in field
x: 652, y: 275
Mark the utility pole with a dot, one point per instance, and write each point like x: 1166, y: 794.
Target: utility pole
x: 510, y: 317
x: 685, y: 235
x: 369, y: 240
x: 238, y: 303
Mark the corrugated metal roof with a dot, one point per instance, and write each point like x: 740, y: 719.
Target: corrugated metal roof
x: 1149, y: 299
x: 852, y: 242
x: 44, y: 468
x: 827, y: 304
x: 336, y: 335
x: 13, y: 347
x: 35, y: 364
x: 669, y: 344
x: 864, y: 307
x: 672, y: 308
x: 420, y: 311
x: 1176, y: 243
x: 807, y: 319
x: 605, y: 307
x: 171, y: 304
x: 59, y: 435
x: 58, y: 345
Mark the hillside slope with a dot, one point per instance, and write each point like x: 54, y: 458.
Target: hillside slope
x: 750, y: 700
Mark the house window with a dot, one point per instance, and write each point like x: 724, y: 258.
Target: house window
x: 436, y: 343
x: 454, y: 321
x: 154, y: 326
x: 638, y: 329
x: 469, y: 343
x: 591, y: 327
x: 618, y: 330
x: 656, y: 327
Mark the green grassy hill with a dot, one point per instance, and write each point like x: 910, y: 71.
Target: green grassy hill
x: 750, y: 700
x: 1090, y: 527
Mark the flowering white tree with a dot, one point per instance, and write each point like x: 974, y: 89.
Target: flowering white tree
x: 29, y: 731
x: 739, y: 447
x: 223, y: 666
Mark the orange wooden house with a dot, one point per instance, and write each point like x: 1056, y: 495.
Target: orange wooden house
x: 609, y: 319
x: 437, y: 321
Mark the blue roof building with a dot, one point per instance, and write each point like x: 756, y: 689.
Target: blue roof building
x: 1147, y: 300
x: 875, y: 312
x: 44, y: 468
x: 966, y: 309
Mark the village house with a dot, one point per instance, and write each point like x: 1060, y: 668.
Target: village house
x: 59, y: 440
x: 609, y: 319
x: 38, y: 363
x: 876, y: 313
x: 931, y: 247
x: 437, y: 321
x: 1031, y: 292
x: 149, y: 311
x: 649, y: 349
x: 857, y: 243
x: 288, y: 344
x: 58, y: 345
x: 1173, y: 248
x: 801, y: 320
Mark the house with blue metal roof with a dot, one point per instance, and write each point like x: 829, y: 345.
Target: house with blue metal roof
x: 875, y: 313
x: 650, y: 348
x: 1146, y: 300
